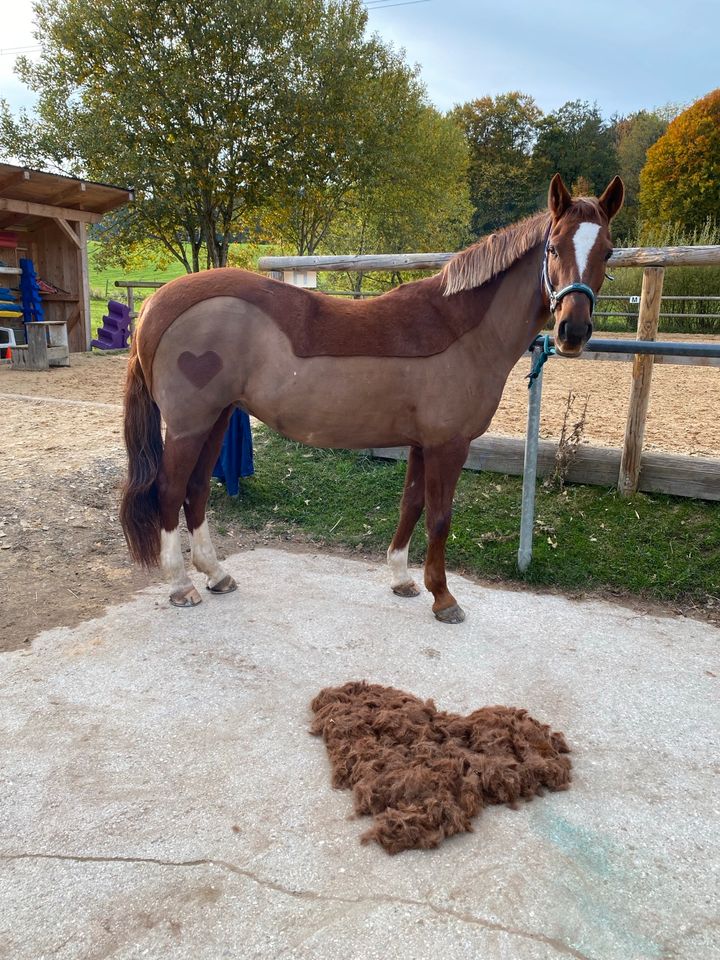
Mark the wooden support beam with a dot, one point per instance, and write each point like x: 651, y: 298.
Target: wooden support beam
x: 47, y: 210
x: 71, y: 191
x: 112, y: 204
x: 641, y: 380
x: 15, y: 177
x: 84, y: 284
x: 68, y: 231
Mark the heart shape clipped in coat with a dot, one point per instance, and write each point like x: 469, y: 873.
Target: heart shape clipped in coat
x: 200, y: 370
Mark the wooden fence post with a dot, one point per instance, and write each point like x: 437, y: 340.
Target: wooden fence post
x: 648, y: 316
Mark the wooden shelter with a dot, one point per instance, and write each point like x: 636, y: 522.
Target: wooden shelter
x: 49, y: 214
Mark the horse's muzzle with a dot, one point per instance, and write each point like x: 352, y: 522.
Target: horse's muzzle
x: 571, y: 336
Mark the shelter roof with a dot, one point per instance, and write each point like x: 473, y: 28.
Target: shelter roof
x: 28, y: 195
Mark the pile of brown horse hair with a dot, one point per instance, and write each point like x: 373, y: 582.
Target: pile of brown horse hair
x: 424, y: 774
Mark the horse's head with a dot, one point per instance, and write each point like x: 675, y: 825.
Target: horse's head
x: 576, y: 252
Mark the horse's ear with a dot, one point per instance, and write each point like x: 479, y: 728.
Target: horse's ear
x: 612, y: 198
x: 559, y: 198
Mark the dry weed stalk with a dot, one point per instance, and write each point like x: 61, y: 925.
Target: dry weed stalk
x: 570, y: 438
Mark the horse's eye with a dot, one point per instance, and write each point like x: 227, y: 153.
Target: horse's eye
x: 553, y: 250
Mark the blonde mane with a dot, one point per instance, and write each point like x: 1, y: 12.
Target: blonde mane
x: 490, y: 256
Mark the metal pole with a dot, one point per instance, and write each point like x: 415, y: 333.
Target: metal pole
x: 527, y: 515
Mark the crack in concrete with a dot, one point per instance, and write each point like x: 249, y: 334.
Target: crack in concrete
x: 558, y: 945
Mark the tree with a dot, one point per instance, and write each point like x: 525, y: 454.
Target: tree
x: 680, y: 182
x: 207, y: 109
x: 576, y: 142
x: 500, y: 132
x: 418, y: 199
x: 634, y: 135
x: 354, y: 103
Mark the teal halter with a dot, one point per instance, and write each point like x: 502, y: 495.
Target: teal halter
x: 555, y: 296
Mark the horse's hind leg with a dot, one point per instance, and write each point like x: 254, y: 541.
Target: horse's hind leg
x: 198, y: 491
x: 179, y: 458
x: 411, y: 506
x: 442, y: 470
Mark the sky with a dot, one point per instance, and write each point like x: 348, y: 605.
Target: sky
x: 624, y: 55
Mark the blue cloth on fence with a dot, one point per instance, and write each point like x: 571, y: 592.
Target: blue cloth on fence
x: 236, y: 456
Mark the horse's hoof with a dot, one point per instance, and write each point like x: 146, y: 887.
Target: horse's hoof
x: 453, y: 614
x: 408, y: 589
x: 187, y: 597
x: 226, y: 585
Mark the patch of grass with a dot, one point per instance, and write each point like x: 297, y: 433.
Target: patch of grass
x: 102, y: 281
x: 102, y: 284
x: 586, y: 538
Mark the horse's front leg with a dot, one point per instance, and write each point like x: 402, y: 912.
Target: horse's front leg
x: 411, y: 506
x: 443, y: 464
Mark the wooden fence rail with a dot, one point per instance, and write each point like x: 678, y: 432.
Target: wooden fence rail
x: 700, y: 256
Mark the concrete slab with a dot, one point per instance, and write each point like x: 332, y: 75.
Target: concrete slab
x: 161, y: 796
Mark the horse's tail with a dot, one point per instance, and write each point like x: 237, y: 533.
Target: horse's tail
x: 139, y: 505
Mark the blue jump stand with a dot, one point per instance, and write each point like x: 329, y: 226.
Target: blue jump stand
x: 30, y: 292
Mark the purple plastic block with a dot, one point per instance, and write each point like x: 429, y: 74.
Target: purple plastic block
x: 115, y: 331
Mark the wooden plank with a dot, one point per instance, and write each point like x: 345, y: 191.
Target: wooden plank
x: 84, y: 284
x: 506, y: 455
x: 622, y: 257
x: 380, y: 261
x: 77, y: 186
x: 37, y: 349
x: 698, y: 256
x: 650, y: 296
x: 14, y: 177
x: 676, y: 474
x: 682, y: 476
x: 68, y: 230
x: 30, y: 209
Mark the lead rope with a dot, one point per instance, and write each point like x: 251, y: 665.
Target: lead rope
x: 547, y: 351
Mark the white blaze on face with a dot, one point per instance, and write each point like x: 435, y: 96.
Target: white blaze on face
x: 583, y: 241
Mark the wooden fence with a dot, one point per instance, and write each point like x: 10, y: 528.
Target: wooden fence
x: 629, y: 468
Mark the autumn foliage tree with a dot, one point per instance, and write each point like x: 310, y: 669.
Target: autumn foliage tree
x: 500, y: 133
x: 680, y: 182
x: 576, y: 142
x: 214, y: 113
x: 380, y: 161
x: 634, y: 135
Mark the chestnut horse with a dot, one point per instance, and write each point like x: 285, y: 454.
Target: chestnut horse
x: 424, y: 365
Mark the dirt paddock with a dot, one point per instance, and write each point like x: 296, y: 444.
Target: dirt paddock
x: 62, y: 554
